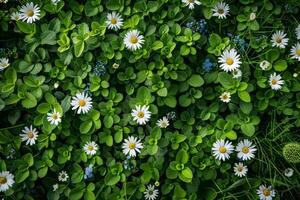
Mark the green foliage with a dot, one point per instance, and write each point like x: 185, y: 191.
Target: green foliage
x: 291, y: 152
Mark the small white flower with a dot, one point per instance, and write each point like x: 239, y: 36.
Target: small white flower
x: 237, y: 73
x: 141, y: 114
x: 15, y: 16
x: 221, y: 10
x: 245, y: 150
x: 115, y: 66
x: 252, y: 16
x: 6, y: 180
x: 295, y: 75
x: 54, y: 118
x: 275, y: 81
x: 4, y: 63
x: 3, y: 1
x: 191, y: 3
x: 55, y: 187
x: 83, y: 102
x: 297, y: 30
x: 131, y: 146
x: 288, y: 172
x: 295, y: 51
x: 240, y: 170
x: 63, y: 176
x: 222, y: 149
x: 163, y: 123
x: 30, y: 135
x: 90, y: 148
x: 114, y: 21
x: 133, y: 40
x: 30, y: 13
x: 266, y: 193
x: 230, y: 60
x: 279, y: 39
x: 56, y: 85
x: 225, y: 97
x: 151, y: 193
x: 264, y: 64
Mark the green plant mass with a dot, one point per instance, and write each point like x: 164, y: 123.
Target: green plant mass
x: 149, y: 99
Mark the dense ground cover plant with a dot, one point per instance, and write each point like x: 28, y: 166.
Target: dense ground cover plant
x: 166, y: 99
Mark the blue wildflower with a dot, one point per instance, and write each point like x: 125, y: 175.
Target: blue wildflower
x: 202, y: 26
x: 100, y: 68
x: 207, y: 65
x: 238, y: 41
x: 88, y: 172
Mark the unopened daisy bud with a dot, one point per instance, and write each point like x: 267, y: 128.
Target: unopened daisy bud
x: 115, y: 66
x: 56, y: 85
x: 252, y: 16
x: 156, y: 183
x: 295, y: 75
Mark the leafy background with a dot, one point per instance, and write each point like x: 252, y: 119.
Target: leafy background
x: 70, y: 46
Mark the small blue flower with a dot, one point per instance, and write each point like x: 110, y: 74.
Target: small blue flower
x: 238, y: 41
x: 202, y: 26
x: 100, y: 68
x: 88, y: 172
x: 207, y: 65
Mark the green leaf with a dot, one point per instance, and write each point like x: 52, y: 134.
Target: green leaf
x: 248, y: 129
x: 108, y: 121
x: 195, y: 80
x: 26, y: 27
x: 29, y: 159
x: 29, y: 101
x: 170, y: 101
x: 76, y: 193
x: 226, y: 80
x: 43, y: 108
x: 90, y: 10
x: 272, y: 55
x: 21, y: 175
x: 48, y: 37
x: 244, y: 96
x: 214, y: 40
x: 89, y: 195
x: 113, y: 4
x: 157, y: 45
x: 111, y: 179
x: 163, y: 92
x: 280, y: 65
x: 78, y: 48
x: 182, y: 157
x: 85, y: 126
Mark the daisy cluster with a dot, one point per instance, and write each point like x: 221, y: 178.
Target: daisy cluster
x: 124, y: 99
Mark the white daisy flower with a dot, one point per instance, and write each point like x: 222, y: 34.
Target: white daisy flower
x: 141, y: 114
x: 55, y: 187
x: 221, y: 10
x: 151, y: 193
x: 55, y: 1
x: 6, y: 180
x: 133, y: 40
x: 131, y: 146
x: 4, y: 63
x: 288, y: 172
x: 240, y: 170
x: 225, y: 97
x: 163, y: 123
x: 191, y: 3
x: 82, y: 102
x: 295, y: 51
x: 30, y: 13
x: 266, y: 193
x: 54, y: 118
x: 222, y: 149
x: 237, y: 73
x: 230, y: 60
x: 63, y: 176
x: 15, y: 16
x: 30, y: 135
x: 279, y: 39
x: 297, y: 30
x: 245, y: 150
x: 275, y: 81
x: 90, y: 148
x: 114, y: 21
x: 264, y: 64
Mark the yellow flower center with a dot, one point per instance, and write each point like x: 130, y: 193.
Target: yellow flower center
x: 3, y: 180
x: 30, y: 13
x: 90, y: 148
x: 298, y: 52
x: 141, y: 114
x: 266, y: 192
x: 113, y: 21
x: 278, y: 40
x: 229, y: 61
x: 225, y: 97
x: 221, y: 11
x: 191, y: 1
x: 222, y: 149
x: 131, y: 146
x: 30, y: 134
x: 240, y: 168
x: 133, y: 39
x: 54, y: 116
x: 245, y: 150
x: 82, y: 102
x: 274, y: 82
